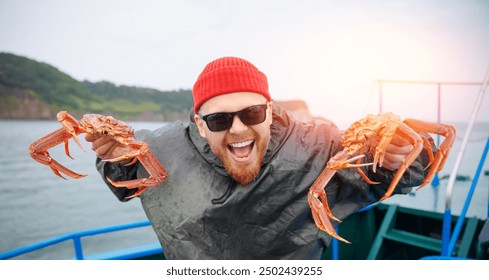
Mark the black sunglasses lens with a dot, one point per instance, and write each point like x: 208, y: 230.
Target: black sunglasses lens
x: 223, y: 121
x: 253, y: 115
x: 219, y: 121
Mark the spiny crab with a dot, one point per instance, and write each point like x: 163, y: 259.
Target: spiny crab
x: 99, y: 124
x: 373, y: 134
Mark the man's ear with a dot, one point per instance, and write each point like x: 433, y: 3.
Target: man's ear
x: 200, y: 125
x: 270, y: 111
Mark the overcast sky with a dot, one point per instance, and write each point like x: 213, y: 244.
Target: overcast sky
x: 327, y: 53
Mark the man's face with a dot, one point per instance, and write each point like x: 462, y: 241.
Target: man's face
x: 241, y: 148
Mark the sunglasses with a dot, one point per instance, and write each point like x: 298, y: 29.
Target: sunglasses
x: 223, y: 121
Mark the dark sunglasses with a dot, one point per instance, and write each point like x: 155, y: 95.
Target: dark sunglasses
x: 223, y: 121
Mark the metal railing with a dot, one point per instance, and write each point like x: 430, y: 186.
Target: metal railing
x: 75, y: 236
x: 448, y: 244
x: 453, y: 174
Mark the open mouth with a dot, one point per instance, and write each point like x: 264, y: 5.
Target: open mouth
x: 242, y: 152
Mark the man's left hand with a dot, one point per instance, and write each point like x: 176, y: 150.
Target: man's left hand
x: 396, y: 152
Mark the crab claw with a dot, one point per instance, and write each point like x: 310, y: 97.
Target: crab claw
x: 71, y: 125
x: 320, y: 215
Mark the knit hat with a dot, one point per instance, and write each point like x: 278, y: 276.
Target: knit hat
x: 228, y: 75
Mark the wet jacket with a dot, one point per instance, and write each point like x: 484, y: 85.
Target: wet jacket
x: 200, y: 212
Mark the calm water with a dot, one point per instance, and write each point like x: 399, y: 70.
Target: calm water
x: 36, y: 204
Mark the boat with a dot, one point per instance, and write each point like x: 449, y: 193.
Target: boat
x: 377, y: 232
x: 393, y: 232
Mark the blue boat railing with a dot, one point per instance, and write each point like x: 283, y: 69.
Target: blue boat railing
x: 142, y: 251
x: 448, y: 243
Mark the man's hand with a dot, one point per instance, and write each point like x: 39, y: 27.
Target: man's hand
x: 105, y: 147
x: 396, y: 152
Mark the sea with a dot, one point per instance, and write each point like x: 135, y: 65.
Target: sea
x: 37, y: 205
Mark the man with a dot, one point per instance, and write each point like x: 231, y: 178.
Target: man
x: 239, y: 173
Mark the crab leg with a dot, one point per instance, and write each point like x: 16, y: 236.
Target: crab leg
x: 360, y: 171
x: 157, y: 173
x: 441, y: 155
x: 341, y: 161
x: 319, y: 203
x: 414, y: 139
x: 39, y: 152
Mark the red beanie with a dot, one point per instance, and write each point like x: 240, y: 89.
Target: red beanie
x: 228, y: 75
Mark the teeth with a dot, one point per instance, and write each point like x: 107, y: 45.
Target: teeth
x: 241, y: 144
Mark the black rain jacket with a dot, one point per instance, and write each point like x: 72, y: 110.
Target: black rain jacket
x: 200, y: 212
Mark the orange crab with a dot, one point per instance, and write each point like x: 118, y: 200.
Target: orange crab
x: 99, y: 124
x: 373, y: 134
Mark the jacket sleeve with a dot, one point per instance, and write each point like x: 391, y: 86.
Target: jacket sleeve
x: 117, y: 172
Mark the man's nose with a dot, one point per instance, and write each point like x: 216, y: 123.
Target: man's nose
x: 238, y: 126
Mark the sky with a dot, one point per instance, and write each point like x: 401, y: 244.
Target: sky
x: 327, y: 53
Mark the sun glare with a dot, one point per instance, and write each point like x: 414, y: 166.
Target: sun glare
x: 379, y: 53
x: 336, y: 72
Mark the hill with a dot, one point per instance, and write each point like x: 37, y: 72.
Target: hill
x: 35, y: 90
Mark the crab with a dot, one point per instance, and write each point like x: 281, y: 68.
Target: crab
x: 99, y: 124
x: 373, y: 134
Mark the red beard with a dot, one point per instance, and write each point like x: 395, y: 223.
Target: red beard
x: 246, y: 173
